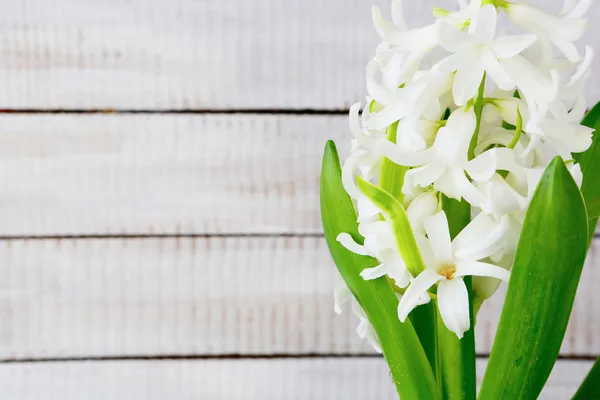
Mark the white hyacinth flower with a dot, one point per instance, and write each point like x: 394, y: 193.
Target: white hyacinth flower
x: 471, y: 114
x: 478, y: 51
x: 447, y: 269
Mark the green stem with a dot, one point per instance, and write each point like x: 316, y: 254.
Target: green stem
x: 479, y: 103
x: 518, y: 131
x: 391, y: 175
x: 391, y: 179
x: 457, y: 357
x: 423, y: 319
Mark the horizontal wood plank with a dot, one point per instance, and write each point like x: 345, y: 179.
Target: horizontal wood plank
x: 298, y: 379
x: 188, y: 54
x: 205, y: 296
x: 162, y: 174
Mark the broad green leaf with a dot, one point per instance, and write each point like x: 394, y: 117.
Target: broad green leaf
x: 590, y: 388
x: 457, y: 355
x: 406, y: 359
x: 396, y: 216
x: 541, y: 289
x: 590, y: 165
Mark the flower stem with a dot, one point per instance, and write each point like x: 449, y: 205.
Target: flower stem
x: 391, y: 175
x: 518, y: 131
x: 479, y: 103
x: 456, y: 357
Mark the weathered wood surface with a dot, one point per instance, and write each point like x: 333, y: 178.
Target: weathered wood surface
x: 204, y: 296
x: 188, y: 54
x: 298, y: 379
x: 162, y: 174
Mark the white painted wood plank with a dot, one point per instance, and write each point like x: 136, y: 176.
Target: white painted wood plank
x: 163, y: 174
x: 187, y: 54
x: 143, y: 174
x: 298, y: 379
x: 250, y: 296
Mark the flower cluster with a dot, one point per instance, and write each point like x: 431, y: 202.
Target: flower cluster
x: 467, y: 113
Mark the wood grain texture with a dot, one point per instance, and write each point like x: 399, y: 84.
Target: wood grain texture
x: 206, y: 296
x: 188, y: 54
x: 162, y: 174
x: 298, y: 379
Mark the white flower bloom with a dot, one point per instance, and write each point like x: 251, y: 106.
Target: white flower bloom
x: 490, y: 150
x: 380, y: 244
x: 342, y: 295
x: 442, y: 165
x: 447, y: 269
x: 562, y: 32
x: 477, y: 52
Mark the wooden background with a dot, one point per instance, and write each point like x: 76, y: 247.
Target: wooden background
x: 158, y: 202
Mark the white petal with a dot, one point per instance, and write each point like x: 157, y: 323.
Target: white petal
x: 356, y: 129
x: 496, y: 72
x: 568, y: 6
x: 381, y: 25
x: 510, y: 46
x: 583, y: 67
x: 404, y: 157
x: 467, y: 80
x: 398, y: 14
x: 450, y: 64
x: 452, y: 39
x: 575, y: 170
x: 485, y: 165
x: 366, y: 210
x: 414, y: 294
x: 341, y: 295
x: 369, y: 274
x: 348, y: 174
x: 348, y: 242
x: 376, y: 90
x: 391, y: 113
x: 439, y: 235
x: 453, y: 302
x: 426, y: 251
x: 445, y: 184
x: 581, y: 9
x: 481, y: 269
x: 568, y: 49
x: 470, y: 239
x: 483, y: 27
x: 396, y: 269
x: 468, y: 191
x: 422, y: 177
x: 488, y: 242
x: 424, y: 205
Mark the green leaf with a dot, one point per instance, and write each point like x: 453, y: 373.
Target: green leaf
x: 396, y: 216
x: 590, y: 165
x: 593, y: 209
x: 590, y: 388
x: 457, y: 356
x: 541, y: 290
x: 406, y: 359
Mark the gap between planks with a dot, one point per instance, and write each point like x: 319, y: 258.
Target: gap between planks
x: 191, y: 357
x: 174, y: 236
x: 249, y: 111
